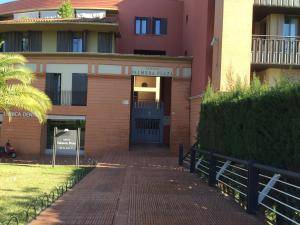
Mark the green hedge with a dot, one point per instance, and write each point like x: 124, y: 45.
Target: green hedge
x: 258, y: 123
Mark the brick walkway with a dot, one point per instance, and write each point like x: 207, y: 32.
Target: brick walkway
x: 143, y: 188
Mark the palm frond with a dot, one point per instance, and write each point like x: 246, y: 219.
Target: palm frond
x: 8, y: 60
x: 22, y: 74
x: 20, y: 95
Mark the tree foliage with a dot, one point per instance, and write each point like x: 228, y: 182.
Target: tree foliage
x: 16, y: 90
x: 66, y: 10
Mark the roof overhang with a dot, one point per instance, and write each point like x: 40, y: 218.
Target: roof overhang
x: 55, y: 26
x: 110, y: 56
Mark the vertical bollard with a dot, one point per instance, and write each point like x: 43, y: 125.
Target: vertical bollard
x: 180, y: 158
x: 193, y: 161
x: 252, y: 191
x: 212, y: 170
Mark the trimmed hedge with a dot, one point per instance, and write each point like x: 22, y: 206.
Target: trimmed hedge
x: 257, y: 123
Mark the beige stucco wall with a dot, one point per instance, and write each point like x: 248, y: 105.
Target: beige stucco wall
x: 232, y: 51
x: 49, y: 40
x: 273, y: 75
x: 92, y: 45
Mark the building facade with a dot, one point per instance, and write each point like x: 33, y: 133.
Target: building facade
x: 132, y: 72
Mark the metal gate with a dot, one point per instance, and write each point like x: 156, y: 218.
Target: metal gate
x: 147, y: 122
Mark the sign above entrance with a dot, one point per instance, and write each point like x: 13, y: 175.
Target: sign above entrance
x: 152, y: 71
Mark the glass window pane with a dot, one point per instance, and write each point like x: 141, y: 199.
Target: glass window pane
x: 144, y: 26
x: 77, y: 42
x: 157, y: 27
x: 138, y: 26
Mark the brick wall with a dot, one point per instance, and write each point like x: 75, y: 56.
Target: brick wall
x: 108, y: 119
x: 194, y: 118
x: 180, y: 114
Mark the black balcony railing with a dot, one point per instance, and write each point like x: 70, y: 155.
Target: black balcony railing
x: 277, y: 50
x: 278, y: 3
x: 68, y: 98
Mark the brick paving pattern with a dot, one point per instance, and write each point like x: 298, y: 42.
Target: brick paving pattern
x: 143, y: 188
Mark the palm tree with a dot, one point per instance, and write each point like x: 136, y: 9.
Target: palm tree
x: 16, y: 90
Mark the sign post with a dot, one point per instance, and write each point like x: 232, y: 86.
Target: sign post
x: 54, y: 147
x: 78, y: 148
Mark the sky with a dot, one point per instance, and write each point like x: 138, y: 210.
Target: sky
x: 4, y: 1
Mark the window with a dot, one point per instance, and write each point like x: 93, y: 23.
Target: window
x: 83, y: 13
x: 141, y: 26
x: 49, y: 14
x: 22, y: 41
x: 68, y: 41
x: 149, y: 52
x: 53, y: 87
x: 79, y: 89
x: 105, y: 42
x: 159, y: 26
x: 77, y: 42
x: 290, y: 28
x: 76, y: 95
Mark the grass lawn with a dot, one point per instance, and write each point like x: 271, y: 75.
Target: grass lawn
x: 20, y: 184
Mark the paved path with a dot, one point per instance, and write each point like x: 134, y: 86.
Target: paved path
x: 143, y: 188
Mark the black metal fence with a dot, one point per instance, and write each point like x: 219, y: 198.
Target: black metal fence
x: 42, y: 202
x: 257, y: 188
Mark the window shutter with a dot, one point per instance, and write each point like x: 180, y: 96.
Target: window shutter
x: 79, y: 89
x: 84, y: 41
x: 64, y: 41
x: 35, y: 41
x: 153, y: 25
x: 149, y: 25
x: 13, y: 42
x: 164, y: 26
x: 105, y: 42
x: 53, y: 87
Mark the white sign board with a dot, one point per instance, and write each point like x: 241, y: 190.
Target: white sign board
x: 152, y: 71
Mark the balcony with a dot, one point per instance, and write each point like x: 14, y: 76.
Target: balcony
x: 68, y: 98
x: 275, y: 50
x: 278, y: 3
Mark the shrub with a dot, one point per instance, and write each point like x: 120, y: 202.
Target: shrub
x: 258, y: 123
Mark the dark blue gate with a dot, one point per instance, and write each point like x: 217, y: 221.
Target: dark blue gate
x: 147, y: 122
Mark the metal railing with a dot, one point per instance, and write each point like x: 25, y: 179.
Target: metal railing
x: 42, y: 202
x: 256, y: 187
x: 69, y: 98
x: 278, y: 3
x: 276, y: 50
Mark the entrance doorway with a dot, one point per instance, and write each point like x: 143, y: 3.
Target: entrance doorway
x: 150, y: 110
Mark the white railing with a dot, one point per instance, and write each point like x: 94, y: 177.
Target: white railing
x: 278, y: 3
x: 277, y: 50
